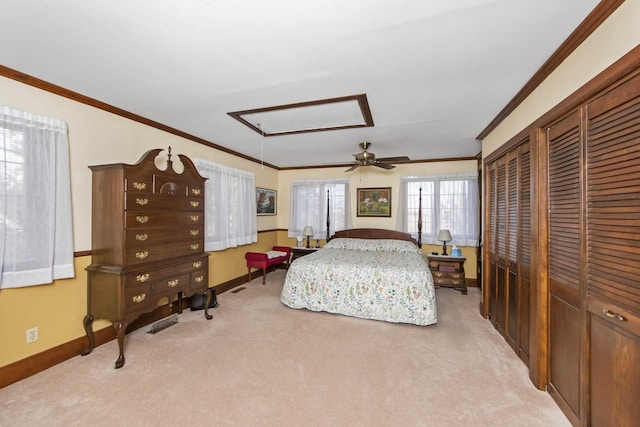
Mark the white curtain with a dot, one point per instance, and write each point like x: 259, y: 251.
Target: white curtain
x: 36, y: 232
x: 448, y: 202
x: 230, y: 206
x: 308, y: 206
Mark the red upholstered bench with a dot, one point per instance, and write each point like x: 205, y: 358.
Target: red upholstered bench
x: 264, y: 260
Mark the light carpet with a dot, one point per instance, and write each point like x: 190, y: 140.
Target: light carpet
x: 260, y: 363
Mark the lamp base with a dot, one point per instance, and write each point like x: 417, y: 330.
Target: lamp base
x: 444, y: 249
x: 308, y: 244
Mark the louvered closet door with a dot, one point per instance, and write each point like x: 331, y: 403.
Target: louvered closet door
x: 511, y: 331
x: 501, y: 245
x: 491, y: 242
x: 564, y: 263
x: 613, y: 213
x: 524, y: 251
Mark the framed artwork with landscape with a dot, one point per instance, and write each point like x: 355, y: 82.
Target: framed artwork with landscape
x: 267, y: 201
x: 375, y: 202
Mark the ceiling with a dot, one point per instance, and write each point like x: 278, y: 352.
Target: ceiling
x: 435, y: 73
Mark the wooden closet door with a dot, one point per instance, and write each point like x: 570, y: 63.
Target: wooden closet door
x: 524, y: 251
x: 491, y: 225
x: 613, y: 263
x: 511, y: 331
x: 564, y: 222
x: 501, y: 245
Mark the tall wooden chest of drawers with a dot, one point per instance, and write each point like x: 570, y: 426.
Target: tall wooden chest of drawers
x: 448, y: 271
x: 147, y: 240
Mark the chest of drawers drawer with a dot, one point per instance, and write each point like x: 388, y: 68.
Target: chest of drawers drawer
x: 151, y: 219
x: 198, y: 280
x: 139, y: 255
x: 138, y: 298
x: 142, y: 237
x: 155, y: 202
x: 170, y: 284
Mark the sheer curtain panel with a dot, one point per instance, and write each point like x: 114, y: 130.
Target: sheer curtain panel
x: 230, y: 206
x: 448, y: 201
x: 308, y: 206
x: 36, y: 231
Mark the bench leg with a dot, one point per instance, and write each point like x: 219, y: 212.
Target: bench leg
x: 249, y: 268
x: 264, y: 274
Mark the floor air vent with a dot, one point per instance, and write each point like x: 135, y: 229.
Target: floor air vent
x: 164, y: 323
x: 235, y: 291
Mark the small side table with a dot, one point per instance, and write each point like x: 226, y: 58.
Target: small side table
x: 448, y: 271
x: 300, y: 252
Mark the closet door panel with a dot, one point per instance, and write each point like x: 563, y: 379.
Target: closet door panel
x: 524, y: 251
x: 491, y: 239
x: 564, y: 221
x: 511, y: 330
x: 501, y: 245
x: 613, y: 261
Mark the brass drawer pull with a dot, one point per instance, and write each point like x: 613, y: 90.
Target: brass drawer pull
x: 194, y: 203
x: 195, y: 247
x: 142, y: 219
x: 199, y: 279
x: 139, y: 298
x: 197, y: 264
x: 195, y: 232
x: 142, y: 202
x: 173, y: 283
x: 611, y: 314
x: 195, y: 218
x: 142, y: 237
x: 142, y: 255
x: 142, y: 277
x: 140, y: 185
x: 195, y: 191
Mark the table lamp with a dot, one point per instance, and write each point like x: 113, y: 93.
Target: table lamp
x: 445, y: 236
x: 307, y: 231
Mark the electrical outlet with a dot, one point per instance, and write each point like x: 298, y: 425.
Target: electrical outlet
x: 32, y: 335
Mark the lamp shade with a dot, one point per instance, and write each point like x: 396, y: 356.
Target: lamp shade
x: 308, y: 231
x: 444, y: 235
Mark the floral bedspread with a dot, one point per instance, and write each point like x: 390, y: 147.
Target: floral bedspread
x: 374, y: 279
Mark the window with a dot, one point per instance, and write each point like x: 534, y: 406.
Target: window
x: 308, y: 206
x: 448, y: 201
x: 230, y: 206
x: 36, y: 239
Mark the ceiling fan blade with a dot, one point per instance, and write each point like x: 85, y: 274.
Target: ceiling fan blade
x: 394, y: 159
x: 352, y: 168
x: 383, y: 165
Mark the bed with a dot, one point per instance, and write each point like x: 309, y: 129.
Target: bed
x: 367, y: 273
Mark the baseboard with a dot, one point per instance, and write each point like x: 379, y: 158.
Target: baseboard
x: 31, y: 365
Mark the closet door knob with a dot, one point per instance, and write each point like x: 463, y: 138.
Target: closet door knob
x: 613, y: 315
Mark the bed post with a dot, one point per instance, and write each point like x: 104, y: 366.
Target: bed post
x: 328, y: 218
x: 420, y: 218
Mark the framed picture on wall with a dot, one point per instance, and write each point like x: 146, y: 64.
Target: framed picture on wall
x: 375, y: 202
x: 267, y: 201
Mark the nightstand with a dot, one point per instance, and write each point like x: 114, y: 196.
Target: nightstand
x: 300, y: 252
x: 448, y: 271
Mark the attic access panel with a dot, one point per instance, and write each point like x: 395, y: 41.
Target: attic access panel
x: 313, y: 116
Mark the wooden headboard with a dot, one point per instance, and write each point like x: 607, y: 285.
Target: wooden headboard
x: 374, y: 233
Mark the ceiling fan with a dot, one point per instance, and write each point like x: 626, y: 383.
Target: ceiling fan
x: 365, y: 158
